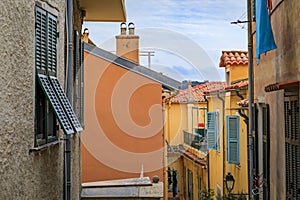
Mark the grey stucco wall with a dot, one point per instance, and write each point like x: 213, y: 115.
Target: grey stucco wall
x: 24, y: 175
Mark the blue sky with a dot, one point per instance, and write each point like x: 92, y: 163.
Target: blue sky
x: 187, y: 36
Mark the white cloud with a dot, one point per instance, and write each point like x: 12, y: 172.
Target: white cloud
x: 197, y: 27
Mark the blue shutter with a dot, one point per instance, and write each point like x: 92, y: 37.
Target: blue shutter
x: 211, y: 131
x: 233, y: 140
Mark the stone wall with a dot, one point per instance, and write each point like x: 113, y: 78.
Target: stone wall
x: 39, y: 174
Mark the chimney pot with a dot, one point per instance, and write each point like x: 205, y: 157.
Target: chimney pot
x: 131, y: 28
x: 123, y: 28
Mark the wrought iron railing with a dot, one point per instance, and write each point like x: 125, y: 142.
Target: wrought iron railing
x: 195, y: 140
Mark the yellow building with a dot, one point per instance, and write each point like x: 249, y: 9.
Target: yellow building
x: 206, y: 127
x: 184, y: 130
x: 227, y: 126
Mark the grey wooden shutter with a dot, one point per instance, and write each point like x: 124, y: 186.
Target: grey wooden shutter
x: 266, y: 151
x: 292, y: 147
x: 78, y: 99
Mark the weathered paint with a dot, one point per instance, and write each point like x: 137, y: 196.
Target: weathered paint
x: 278, y: 65
x: 24, y: 175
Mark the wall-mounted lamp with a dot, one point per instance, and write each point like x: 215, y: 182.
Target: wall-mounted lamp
x: 229, y: 182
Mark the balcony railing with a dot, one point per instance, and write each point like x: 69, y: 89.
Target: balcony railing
x: 196, y: 140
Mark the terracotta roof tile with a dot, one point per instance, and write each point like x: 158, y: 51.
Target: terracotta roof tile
x: 240, y: 84
x: 198, y: 92
x: 193, y: 157
x: 233, y: 57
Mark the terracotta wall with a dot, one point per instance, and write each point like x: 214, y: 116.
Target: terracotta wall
x: 123, y: 123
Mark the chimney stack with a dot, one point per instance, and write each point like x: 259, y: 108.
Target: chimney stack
x: 127, y: 45
x: 85, y: 35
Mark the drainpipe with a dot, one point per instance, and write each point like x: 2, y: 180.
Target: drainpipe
x: 241, y: 112
x: 250, y: 94
x: 237, y: 91
x: 224, y: 152
x: 69, y: 75
x: 207, y: 155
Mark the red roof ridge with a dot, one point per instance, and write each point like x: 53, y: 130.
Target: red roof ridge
x: 230, y: 57
x: 197, y: 92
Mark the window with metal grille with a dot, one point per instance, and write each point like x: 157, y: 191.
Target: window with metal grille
x: 233, y: 141
x: 50, y: 100
x: 266, y: 151
x: 292, y: 146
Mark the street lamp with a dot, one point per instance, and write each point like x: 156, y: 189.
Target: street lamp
x: 229, y: 181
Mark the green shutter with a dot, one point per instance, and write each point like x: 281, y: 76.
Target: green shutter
x: 233, y: 143
x: 45, y: 42
x: 52, y: 43
x: 65, y: 104
x: 40, y: 40
x: 211, y: 131
x: 55, y: 104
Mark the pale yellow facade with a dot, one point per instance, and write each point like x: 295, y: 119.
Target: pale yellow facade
x: 195, y: 177
x: 182, y: 116
x: 218, y: 164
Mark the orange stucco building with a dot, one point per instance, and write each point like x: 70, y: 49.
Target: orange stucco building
x: 123, y: 136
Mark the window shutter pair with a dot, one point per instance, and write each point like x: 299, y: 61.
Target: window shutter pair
x: 46, y: 67
x: 233, y: 140
x: 45, y: 42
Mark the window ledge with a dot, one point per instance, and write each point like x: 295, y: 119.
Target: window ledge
x: 45, y: 146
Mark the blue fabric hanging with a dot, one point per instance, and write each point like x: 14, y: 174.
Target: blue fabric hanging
x: 264, y: 35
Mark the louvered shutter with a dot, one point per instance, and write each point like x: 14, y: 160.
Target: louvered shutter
x: 40, y: 40
x: 52, y: 43
x: 78, y: 77
x: 65, y: 104
x: 266, y: 151
x: 55, y: 104
x: 211, y: 131
x: 292, y: 147
x: 233, y: 146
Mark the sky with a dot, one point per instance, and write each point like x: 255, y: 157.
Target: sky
x: 187, y: 36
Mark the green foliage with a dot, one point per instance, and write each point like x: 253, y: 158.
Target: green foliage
x: 207, y: 194
x: 239, y: 196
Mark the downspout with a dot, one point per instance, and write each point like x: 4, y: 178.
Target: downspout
x: 224, y: 152
x: 237, y: 91
x: 69, y: 75
x: 241, y: 112
x: 250, y: 94
x: 207, y: 155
